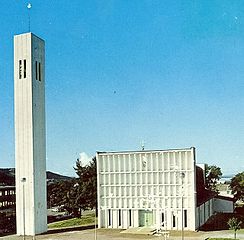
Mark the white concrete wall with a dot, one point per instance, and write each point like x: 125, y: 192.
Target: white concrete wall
x: 147, y: 180
x: 30, y: 148
x: 221, y: 205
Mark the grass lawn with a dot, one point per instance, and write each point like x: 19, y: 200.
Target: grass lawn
x: 232, y: 231
x: 222, y: 239
x: 186, y: 233
x: 88, y: 219
x: 229, y: 231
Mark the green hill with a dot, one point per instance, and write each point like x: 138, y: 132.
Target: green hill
x: 7, y: 176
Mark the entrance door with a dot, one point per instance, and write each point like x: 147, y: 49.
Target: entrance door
x: 145, y: 218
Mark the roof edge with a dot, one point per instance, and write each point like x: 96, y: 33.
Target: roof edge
x: 145, y: 151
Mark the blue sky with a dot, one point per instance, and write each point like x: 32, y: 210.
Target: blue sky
x: 170, y: 73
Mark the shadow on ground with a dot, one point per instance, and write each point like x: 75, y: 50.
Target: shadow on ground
x: 69, y: 229
x: 219, y: 221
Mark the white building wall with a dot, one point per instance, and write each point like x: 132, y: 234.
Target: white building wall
x: 30, y: 148
x: 147, y: 180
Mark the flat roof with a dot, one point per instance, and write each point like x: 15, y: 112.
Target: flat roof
x: 26, y: 33
x: 231, y: 199
x: 145, y: 151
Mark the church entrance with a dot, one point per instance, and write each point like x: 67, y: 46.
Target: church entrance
x: 145, y: 218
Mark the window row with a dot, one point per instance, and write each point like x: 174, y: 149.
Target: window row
x: 6, y: 203
x: 120, y: 218
x: 117, y: 218
x: 7, y: 192
x: 22, y: 70
x: 174, y: 217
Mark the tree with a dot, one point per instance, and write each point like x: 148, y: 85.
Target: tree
x: 87, y: 184
x: 78, y: 193
x: 213, y: 174
x: 237, y: 186
x: 234, y: 224
x: 64, y: 194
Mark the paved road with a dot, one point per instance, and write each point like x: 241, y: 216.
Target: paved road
x: 115, y: 235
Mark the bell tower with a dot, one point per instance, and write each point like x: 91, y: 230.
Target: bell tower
x: 30, y: 134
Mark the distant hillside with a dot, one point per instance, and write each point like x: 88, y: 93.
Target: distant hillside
x: 7, y: 176
x: 55, y: 176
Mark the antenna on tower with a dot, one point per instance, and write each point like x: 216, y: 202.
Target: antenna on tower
x: 29, y: 8
x: 143, y: 145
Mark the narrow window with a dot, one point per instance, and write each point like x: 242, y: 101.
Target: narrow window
x: 109, y: 218
x: 185, y: 218
x: 40, y: 76
x: 130, y: 217
x: 119, y: 217
x: 36, y: 71
x: 20, y: 69
x: 162, y: 219
x: 174, y: 221
x: 24, y: 68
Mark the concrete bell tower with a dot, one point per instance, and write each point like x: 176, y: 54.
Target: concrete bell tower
x: 30, y: 134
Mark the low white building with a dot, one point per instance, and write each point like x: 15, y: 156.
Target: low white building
x: 162, y: 189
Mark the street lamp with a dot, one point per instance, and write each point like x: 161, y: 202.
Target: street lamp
x: 182, y: 176
x: 23, y: 180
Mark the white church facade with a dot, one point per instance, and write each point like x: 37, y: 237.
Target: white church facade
x: 151, y: 189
